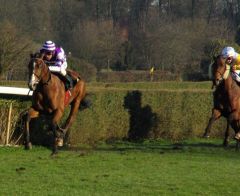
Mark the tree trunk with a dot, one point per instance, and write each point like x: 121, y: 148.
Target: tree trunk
x: 210, y: 3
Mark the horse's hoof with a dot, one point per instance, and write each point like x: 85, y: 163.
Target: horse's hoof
x: 225, y: 144
x: 206, y: 136
x: 66, y: 144
x: 28, y: 146
x: 54, y: 154
x: 59, y: 142
x: 237, y: 136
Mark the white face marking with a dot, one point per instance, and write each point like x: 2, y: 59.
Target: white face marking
x: 34, y: 80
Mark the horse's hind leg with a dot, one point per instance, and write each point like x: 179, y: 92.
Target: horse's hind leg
x: 74, y: 110
x: 72, y: 115
x: 215, y: 115
x: 235, y: 125
x: 81, y: 92
x: 30, y: 115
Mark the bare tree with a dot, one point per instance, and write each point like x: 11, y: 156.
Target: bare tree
x: 14, y: 49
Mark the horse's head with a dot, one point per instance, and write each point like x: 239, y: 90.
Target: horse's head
x: 36, y: 69
x: 220, y: 70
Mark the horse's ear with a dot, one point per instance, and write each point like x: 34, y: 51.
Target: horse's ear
x: 31, y: 55
x: 215, y: 57
x: 41, y: 55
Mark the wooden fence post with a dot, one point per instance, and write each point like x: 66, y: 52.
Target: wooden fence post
x: 9, y: 123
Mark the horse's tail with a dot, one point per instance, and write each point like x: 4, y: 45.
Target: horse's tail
x: 85, y: 103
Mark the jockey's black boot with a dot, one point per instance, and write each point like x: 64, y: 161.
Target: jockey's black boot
x: 69, y: 82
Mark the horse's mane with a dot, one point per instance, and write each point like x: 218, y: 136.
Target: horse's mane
x: 210, y: 67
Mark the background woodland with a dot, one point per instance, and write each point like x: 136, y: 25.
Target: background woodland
x: 177, y: 37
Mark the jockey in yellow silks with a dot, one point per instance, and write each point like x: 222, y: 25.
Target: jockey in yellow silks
x: 232, y: 59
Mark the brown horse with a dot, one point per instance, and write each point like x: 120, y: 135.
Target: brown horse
x: 49, y: 98
x: 222, y: 73
x: 220, y: 107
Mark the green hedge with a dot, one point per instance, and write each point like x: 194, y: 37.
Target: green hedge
x: 135, y: 76
x: 139, y: 114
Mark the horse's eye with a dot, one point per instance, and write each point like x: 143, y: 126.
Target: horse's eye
x: 40, y: 65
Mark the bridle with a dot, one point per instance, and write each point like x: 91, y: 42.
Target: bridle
x: 224, y: 75
x: 40, y: 76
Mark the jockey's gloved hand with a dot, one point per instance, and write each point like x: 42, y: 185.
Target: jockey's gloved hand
x: 63, y: 71
x: 234, y: 67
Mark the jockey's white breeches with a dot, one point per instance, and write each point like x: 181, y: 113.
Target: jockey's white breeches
x: 59, y: 69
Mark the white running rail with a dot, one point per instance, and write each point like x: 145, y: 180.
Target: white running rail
x: 15, y: 91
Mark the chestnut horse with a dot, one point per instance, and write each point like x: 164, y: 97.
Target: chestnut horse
x: 220, y: 106
x: 222, y: 73
x: 49, y: 99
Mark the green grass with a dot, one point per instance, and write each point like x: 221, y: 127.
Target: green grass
x: 199, y: 167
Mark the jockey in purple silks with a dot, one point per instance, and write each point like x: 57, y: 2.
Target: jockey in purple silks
x: 56, y: 59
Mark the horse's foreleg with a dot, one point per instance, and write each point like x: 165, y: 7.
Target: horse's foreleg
x: 30, y: 115
x: 227, y: 133
x: 215, y: 115
x: 58, y: 138
x: 237, y: 145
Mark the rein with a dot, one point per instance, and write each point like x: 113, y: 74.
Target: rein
x: 49, y: 78
x: 224, y: 75
x: 227, y: 71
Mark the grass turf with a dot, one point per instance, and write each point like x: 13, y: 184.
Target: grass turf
x: 197, y: 167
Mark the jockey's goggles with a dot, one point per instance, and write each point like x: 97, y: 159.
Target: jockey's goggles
x: 48, y: 52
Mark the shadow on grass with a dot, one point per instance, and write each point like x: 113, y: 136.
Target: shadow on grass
x: 159, y: 147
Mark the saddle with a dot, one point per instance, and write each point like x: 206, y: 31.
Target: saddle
x: 71, y: 75
x: 70, y: 80
x: 74, y: 75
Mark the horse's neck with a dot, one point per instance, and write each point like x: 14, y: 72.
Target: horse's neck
x: 220, y: 88
x: 231, y: 87
x: 46, y: 77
